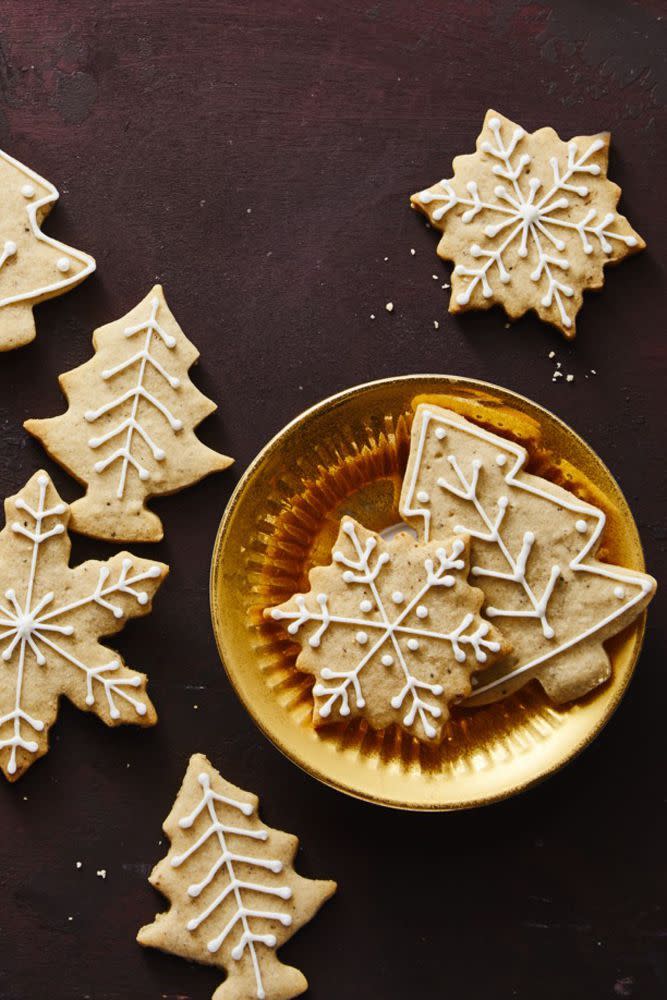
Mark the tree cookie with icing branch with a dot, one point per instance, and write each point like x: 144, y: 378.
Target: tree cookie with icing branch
x: 529, y: 221
x: 33, y: 266
x: 51, y: 619
x: 391, y: 631
x: 235, y: 897
x: 129, y: 431
x: 533, y: 553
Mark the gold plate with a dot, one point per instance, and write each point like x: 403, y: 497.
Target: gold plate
x: 347, y: 456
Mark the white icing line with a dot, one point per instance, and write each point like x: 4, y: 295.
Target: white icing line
x: 227, y: 858
x: 27, y: 626
x: 569, y: 503
x: 32, y: 208
x: 530, y: 215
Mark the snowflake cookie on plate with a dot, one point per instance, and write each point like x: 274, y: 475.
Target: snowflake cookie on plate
x: 533, y: 553
x: 51, y: 618
x: 235, y: 897
x: 129, y: 431
x: 391, y: 631
x: 529, y: 221
x: 33, y: 266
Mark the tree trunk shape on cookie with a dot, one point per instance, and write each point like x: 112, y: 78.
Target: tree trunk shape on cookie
x: 129, y: 431
x: 235, y: 897
x: 533, y: 548
x: 33, y: 266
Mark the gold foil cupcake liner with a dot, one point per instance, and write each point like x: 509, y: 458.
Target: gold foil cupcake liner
x: 348, y: 456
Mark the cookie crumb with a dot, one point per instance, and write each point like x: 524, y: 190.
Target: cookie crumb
x: 70, y: 918
x: 436, y: 324
x: 435, y: 277
x: 569, y: 378
x: 413, y: 251
x: 372, y: 315
x: 386, y: 258
x: 101, y: 872
x: 389, y: 307
x: 552, y: 354
x: 79, y: 864
x: 593, y: 371
x: 445, y: 286
x: 556, y: 375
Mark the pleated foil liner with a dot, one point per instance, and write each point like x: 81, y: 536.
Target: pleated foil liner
x: 348, y: 457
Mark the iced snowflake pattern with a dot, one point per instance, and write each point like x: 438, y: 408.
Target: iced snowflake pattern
x: 530, y: 218
x: 395, y: 629
x: 39, y: 627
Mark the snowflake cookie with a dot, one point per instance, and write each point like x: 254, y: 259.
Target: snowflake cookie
x: 391, y: 631
x: 51, y: 618
x: 129, y: 432
x: 33, y: 266
x: 533, y: 548
x: 529, y: 221
x: 235, y: 897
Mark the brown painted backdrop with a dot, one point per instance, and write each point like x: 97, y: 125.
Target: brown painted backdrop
x: 256, y: 157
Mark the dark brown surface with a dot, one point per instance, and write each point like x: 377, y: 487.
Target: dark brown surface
x: 256, y: 157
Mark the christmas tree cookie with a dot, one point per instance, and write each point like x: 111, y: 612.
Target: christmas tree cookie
x: 533, y: 553
x: 51, y: 618
x: 129, y: 431
x: 391, y: 631
x: 529, y: 221
x: 33, y: 266
x: 235, y: 897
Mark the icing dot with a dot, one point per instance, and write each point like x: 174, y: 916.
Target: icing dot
x: 28, y: 191
x: 63, y: 264
x: 422, y: 611
x: 423, y: 496
x: 413, y: 644
x: 398, y: 597
x: 10, y: 248
x: 581, y: 527
x: 501, y: 460
x: 366, y: 606
x: 387, y: 660
x: 362, y: 638
x: 440, y: 433
x: 619, y: 592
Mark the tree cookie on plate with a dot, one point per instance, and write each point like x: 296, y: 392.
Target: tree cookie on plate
x: 533, y: 553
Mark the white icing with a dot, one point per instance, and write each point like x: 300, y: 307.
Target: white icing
x: 51, y: 194
x: 465, y: 488
x: 527, y: 219
x: 31, y: 624
x: 228, y: 856
x: 138, y: 394
x: 364, y: 569
x: 581, y: 527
